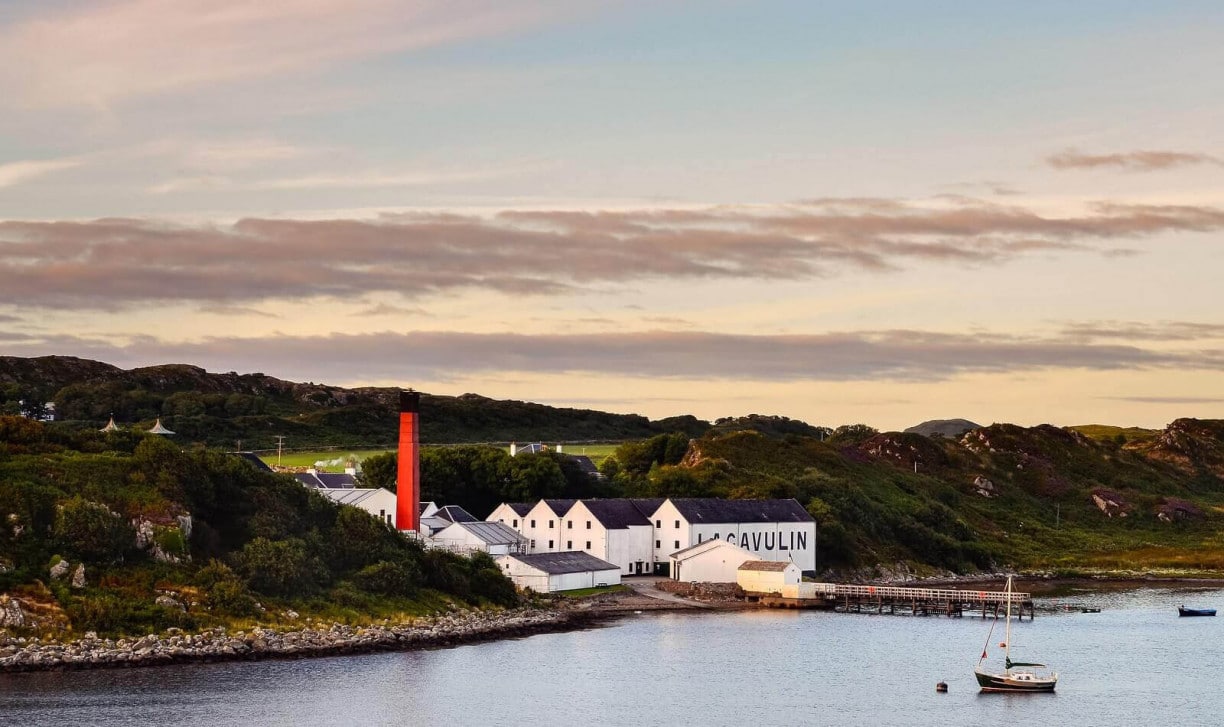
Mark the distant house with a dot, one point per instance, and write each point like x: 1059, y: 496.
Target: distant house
x: 767, y: 576
x: 470, y: 536
x: 549, y: 572
x: 711, y: 561
x: 317, y: 480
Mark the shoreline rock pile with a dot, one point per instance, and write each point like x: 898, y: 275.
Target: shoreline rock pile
x: 32, y: 654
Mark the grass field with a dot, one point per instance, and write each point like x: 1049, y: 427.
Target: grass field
x: 597, y: 452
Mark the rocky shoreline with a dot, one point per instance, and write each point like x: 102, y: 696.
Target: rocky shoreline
x: 19, y: 654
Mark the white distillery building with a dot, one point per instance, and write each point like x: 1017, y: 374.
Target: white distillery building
x: 641, y: 534
x: 767, y: 576
x: 549, y: 572
x: 778, y: 530
x: 469, y: 537
x: 378, y: 502
x: 712, y: 561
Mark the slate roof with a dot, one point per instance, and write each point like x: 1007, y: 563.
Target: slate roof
x: 336, y: 480
x: 308, y: 479
x: 574, y: 561
x: 456, y: 514
x: 522, y: 508
x: 350, y: 496
x: 585, y: 464
x: 616, y: 514
x: 491, y: 533
x: 560, y: 506
x: 254, y: 459
x: 648, y: 506
x: 714, y: 510
x: 765, y: 565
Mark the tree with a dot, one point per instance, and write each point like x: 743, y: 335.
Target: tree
x: 281, y: 567
x: 92, y: 532
x: 380, y: 470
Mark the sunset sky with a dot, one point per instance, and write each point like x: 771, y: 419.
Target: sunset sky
x: 875, y: 212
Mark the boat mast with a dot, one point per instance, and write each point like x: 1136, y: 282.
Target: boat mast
x: 1007, y: 638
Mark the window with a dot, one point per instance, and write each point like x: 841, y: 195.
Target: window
x: 382, y: 513
x: 533, y: 523
x: 658, y: 543
x: 700, y: 537
x: 677, y: 525
x: 533, y: 543
x: 569, y: 524
x: 550, y: 545
x: 658, y: 523
x: 569, y: 545
x: 514, y: 522
x: 588, y: 524
x: 550, y: 524
x: 677, y: 545
x: 588, y: 545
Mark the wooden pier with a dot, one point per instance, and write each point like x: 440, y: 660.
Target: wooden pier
x: 897, y: 600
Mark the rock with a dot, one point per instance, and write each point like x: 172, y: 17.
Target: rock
x: 983, y: 486
x: 59, y: 570
x: 169, y: 602
x: 78, y: 576
x: 291, y: 614
x: 11, y: 614
x: 1110, y: 503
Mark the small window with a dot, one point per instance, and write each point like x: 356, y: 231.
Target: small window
x: 382, y: 513
x: 588, y: 524
x: 514, y: 522
x: 658, y: 523
x: 550, y: 545
x: 588, y: 545
x: 677, y: 545
x: 677, y: 525
x: 569, y: 545
x: 533, y: 543
x: 658, y: 543
x: 533, y: 523
x: 550, y: 524
x: 569, y: 524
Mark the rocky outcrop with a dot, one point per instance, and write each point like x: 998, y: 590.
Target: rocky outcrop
x: 11, y: 613
x: 1173, y: 509
x: 78, y: 576
x: 176, y: 647
x: 1110, y: 503
x: 59, y: 569
x: 984, y: 486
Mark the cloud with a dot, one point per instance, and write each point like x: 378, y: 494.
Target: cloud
x: 117, y: 263
x: 1135, y: 161
x: 1143, y: 331
x: 13, y: 173
x: 110, y: 51
x: 235, y: 310
x: 386, y: 309
x: 1168, y: 399
x: 893, y: 355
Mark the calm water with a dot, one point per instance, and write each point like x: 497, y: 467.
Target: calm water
x: 1135, y: 662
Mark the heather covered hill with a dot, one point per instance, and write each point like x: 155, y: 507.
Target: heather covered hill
x: 1003, y: 495
x: 218, y: 409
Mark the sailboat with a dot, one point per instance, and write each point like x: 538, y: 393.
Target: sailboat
x: 1017, y: 676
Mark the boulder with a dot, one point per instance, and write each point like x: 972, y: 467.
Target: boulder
x: 11, y: 615
x: 78, y: 576
x: 59, y: 569
x: 169, y: 602
x: 983, y: 486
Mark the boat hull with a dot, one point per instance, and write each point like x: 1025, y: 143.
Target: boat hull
x: 1195, y: 611
x: 1020, y: 683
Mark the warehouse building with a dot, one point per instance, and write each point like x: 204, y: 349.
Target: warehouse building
x: 472, y: 537
x: 777, y: 530
x: 767, y: 576
x: 550, y: 572
x: 712, y: 561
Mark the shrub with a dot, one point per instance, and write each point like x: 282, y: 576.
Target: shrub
x: 389, y: 579
x: 92, y: 532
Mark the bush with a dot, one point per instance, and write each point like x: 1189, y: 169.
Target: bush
x: 92, y: 532
x: 389, y: 579
x: 281, y: 567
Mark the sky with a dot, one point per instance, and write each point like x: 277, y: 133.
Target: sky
x: 871, y: 212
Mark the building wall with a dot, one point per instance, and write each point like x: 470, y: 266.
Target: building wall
x: 794, y: 542
x: 506, y: 515
x: 631, y: 549
x: 541, y: 533
x: 459, y: 539
x: 381, y: 504
x: 719, y: 564
x: 670, y: 528
x: 768, y: 581
x: 525, y: 576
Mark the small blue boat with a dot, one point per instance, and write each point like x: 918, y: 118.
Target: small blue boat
x: 1183, y: 611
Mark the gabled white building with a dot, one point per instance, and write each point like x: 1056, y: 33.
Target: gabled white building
x: 468, y: 537
x: 777, y: 530
x: 542, y: 526
x: 614, y: 530
x: 512, y: 514
x: 767, y: 576
x: 549, y: 572
x: 712, y: 561
x: 378, y: 502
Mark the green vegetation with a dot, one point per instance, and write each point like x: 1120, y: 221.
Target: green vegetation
x: 1104, y: 433
x: 189, y: 539
x: 596, y: 591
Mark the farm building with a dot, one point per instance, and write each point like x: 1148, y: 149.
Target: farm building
x: 469, y: 537
x: 711, y: 561
x: 767, y: 576
x: 549, y: 572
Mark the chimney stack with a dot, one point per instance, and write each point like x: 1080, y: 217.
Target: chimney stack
x: 408, y: 479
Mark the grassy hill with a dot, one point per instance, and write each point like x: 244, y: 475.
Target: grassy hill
x: 221, y: 409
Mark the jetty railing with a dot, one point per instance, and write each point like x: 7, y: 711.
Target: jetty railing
x: 929, y: 594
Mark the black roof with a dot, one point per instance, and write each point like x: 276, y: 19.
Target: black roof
x: 715, y: 510
x: 616, y: 514
x: 574, y: 561
x: 585, y: 464
x: 648, y: 505
x: 456, y: 514
x: 334, y: 480
x: 560, y: 506
x: 522, y: 508
x: 254, y: 459
x: 307, y: 479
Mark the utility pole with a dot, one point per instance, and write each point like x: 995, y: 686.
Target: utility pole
x: 280, y: 444
x: 239, y: 445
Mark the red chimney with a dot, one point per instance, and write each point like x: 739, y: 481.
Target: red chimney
x: 408, y: 481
